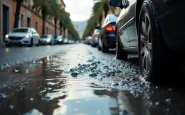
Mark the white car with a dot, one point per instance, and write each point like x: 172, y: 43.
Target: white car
x: 47, y: 39
x: 22, y: 36
x: 65, y: 40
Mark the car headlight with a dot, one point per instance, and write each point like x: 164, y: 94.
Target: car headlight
x: 48, y: 40
x: 59, y: 40
x: 6, y: 36
x: 27, y: 36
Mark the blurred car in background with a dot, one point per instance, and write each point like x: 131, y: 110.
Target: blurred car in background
x: 107, y: 37
x: 88, y: 40
x: 59, y: 39
x: 65, y: 41
x: 94, y: 40
x: 22, y: 36
x: 47, y: 39
x: 70, y: 42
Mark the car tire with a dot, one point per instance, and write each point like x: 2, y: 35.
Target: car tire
x: 99, y: 47
x: 104, y: 48
x: 8, y: 45
x: 31, y: 43
x: 120, y: 54
x: 158, y: 63
x: 20, y: 45
x: 38, y: 43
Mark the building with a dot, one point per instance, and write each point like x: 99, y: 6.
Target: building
x: 27, y: 18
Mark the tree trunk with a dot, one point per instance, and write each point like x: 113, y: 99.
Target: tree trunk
x: 61, y: 28
x: 43, y: 20
x: 64, y: 32
x: 55, y: 22
x: 106, y: 9
x: 17, y: 12
x: 100, y: 19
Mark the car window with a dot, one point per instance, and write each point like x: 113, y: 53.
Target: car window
x: 43, y: 36
x: 20, y: 31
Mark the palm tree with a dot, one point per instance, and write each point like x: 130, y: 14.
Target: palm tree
x: 46, y: 7
x: 91, y: 25
x: 102, y: 7
x: 17, y: 12
x: 99, y: 8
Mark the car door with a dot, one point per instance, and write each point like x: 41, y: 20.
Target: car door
x: 131, y: 24
x: 122, y: 28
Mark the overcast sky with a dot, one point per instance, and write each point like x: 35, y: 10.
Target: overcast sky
x: 79, y: 9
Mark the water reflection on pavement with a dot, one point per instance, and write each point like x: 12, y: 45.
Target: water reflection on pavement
x: 46, y: 87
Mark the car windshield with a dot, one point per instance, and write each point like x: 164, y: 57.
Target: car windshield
x: 58, y: 37
x: 43, y: 36
x: 20, y: 31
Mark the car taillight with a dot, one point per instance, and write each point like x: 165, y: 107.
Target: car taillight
x: 109, y: 28
x: 95, y: 35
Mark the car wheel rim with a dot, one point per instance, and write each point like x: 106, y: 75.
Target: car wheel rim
x: 100, y: 44
x: 145, y: 45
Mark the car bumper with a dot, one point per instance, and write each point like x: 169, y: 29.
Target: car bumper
x: 24, y: 41
x: 58, y: 42
x: 44, y: 42
x: 110, y: 41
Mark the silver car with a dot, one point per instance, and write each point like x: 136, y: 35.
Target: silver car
x: 47, y: 39
x: 94, y: 40
x: 22, y: 36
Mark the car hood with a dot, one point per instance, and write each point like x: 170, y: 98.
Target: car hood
x: 18, y: 34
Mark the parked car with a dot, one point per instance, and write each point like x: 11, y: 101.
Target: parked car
x: 70, y: 42
x: 22, y: 36
x: 88, y: 40
x: 65, y: 41
x: 47, y: 39
x: 107, y: 37
x: 59, y: 39
x: 94, y: 40
x: 155, y: 30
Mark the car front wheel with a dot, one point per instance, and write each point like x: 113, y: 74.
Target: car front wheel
x: 158, y: 63
x: 38, y: 43
x: 104, y: 48
x: 8, y: 45
x: 99, y: 44
x: 31, y: 43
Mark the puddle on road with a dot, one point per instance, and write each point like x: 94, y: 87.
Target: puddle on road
x: 63, y: 85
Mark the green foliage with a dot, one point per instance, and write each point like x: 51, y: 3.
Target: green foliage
x: 54, y: 10
x: 99, y: 9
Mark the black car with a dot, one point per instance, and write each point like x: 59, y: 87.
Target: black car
x: 107, y: 36
x: 155, y: 29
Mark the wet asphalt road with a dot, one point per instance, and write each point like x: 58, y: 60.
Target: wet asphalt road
x: 79, y: 80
